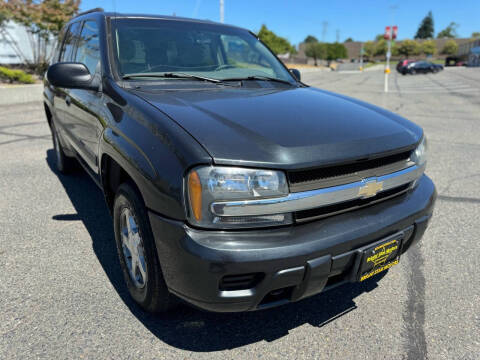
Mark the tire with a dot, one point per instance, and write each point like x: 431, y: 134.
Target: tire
x: 63, y: 163
x: 412, y: 72
x: 145, y: 282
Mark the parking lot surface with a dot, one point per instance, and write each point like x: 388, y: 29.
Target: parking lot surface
x: 61, y: 291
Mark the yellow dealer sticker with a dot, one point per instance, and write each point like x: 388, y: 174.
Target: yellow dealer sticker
x: 380, y: 258
x: 378, y: 270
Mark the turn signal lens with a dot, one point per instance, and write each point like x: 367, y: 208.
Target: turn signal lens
x: 195, y: 194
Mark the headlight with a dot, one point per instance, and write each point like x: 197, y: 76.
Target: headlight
x: 208, y: 184
x: 419, y: 155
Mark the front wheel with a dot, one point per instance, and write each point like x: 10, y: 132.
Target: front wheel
x: 137, y: 252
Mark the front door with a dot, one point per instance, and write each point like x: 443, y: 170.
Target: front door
x: 61, y: 98
x: 85, y: 108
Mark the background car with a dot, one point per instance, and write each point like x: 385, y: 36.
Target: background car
x: 421, y: 67
x: 402, y: 64
x: 437, y: 67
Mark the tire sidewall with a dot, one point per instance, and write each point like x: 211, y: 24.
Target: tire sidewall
x: 57, y: 147
x: 127, y: 197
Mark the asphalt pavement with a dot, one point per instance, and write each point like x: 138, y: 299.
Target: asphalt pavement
x: 62, y: 295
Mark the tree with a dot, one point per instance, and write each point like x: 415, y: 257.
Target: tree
x: 42, y: 20
x: 407, y: 48
x: 310, y: 39
x: 429, y: 47
x: 425, y: 30
x: 450, y: 47
x: 476, y: 34
x: 449, y: 32
x: 277, y: 44
x: 369, y: 49
x: 379, y: 37
x: 316, y: 51
x: 381, y: 47
x: 349, y: 39
x: 336, y: 51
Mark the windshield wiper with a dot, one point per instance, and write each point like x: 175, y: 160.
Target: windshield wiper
x: 259, y: 77
x: 171, y: 75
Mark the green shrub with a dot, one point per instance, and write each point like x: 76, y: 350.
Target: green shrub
x: 15, y: 76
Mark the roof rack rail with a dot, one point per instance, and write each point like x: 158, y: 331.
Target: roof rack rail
x: 98, y: 9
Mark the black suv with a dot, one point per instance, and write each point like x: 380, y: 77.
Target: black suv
x: 232, y: 185
x: 417, y: 67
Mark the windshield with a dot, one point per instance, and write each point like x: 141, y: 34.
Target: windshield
x: 156, y: 46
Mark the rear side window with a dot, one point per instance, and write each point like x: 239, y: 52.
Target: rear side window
x: 69, y: 42
x: 88, y: 46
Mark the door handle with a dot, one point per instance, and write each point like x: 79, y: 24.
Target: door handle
x: 68, y: 100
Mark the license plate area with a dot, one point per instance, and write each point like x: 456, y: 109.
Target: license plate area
x: 379, y: 257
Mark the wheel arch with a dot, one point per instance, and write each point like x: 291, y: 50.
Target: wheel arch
x: 112, y: 175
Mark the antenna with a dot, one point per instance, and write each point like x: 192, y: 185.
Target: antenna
x: 114, y: 2
x: 222, y: 13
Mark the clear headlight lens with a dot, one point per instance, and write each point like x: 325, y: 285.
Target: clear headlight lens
x: 419, y: 155
x: 209, y: 184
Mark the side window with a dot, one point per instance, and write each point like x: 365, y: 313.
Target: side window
x: 69, y: 42
x: 88, y: 46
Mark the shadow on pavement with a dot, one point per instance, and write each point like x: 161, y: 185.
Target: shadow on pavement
x: 187, y: 328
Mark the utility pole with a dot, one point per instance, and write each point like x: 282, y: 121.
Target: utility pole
x: 222, y: 18
x: 389, y: 53
x: 324, y: 30
x: 361, y: 56
x: 389, y: 34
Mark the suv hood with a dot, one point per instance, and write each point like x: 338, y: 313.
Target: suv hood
x: 283, y: 128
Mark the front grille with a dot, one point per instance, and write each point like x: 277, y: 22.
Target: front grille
x: 240, y: 282
x: 318, y: 174
x: 324, y: 211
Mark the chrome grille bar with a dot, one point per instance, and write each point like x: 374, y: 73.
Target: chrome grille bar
x: 316, y: 198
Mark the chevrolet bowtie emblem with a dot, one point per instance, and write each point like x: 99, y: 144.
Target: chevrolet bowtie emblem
x: 370, y: 189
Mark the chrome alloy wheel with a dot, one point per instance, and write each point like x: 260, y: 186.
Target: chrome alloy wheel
x: 132, y: 246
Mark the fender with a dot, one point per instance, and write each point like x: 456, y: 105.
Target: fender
x: 125, y: 149
x: 157, y: 166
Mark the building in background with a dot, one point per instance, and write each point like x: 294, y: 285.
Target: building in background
x: 470, y: 52
x: 16, y: 45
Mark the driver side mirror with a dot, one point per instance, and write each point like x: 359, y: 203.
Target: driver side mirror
x: 295, y: 73
x: 71, y: 76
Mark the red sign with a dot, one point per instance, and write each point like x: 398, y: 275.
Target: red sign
x: 390, y: 32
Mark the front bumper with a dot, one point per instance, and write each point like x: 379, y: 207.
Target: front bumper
x: 292, y: 262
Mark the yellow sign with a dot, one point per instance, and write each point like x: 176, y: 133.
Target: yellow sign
x: 382, y: 252
x: 379, y: 270
x: 379, y: 258
x: 370, y: 189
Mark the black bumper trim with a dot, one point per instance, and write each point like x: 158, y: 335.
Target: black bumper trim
x: 302, y: 260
